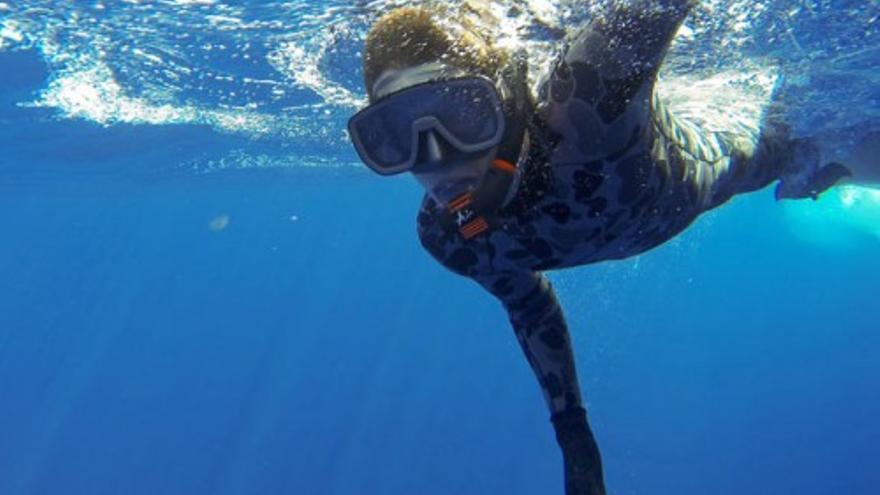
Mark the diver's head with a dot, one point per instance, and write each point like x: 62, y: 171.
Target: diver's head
x: 409, y: 37
x: 439, y: 103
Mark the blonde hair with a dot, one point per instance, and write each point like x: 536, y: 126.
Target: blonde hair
x: 410, y: 36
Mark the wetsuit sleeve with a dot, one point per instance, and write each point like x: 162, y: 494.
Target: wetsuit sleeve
x: 526, y: 296
x: 597, y: 98
x: 628, y: 40
x: 542, y: 333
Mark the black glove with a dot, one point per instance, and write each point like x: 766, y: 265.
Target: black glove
x: 583, y: 466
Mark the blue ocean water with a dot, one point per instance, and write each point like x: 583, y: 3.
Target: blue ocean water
x: 202, y: 293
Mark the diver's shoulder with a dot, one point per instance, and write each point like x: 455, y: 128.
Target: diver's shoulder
x: 467, y: 258
x: 434, y: 236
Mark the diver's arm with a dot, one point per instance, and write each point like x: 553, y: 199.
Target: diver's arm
x: 597, y: 97
x: 542, y: 333
x: 527, y: 296
x: 539, y: 323
x: 630, y: 39
x: 543, y: 336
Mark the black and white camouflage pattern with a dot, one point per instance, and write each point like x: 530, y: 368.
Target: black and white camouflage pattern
x: 612, y: 174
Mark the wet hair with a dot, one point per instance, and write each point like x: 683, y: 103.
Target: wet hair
x: 411, y: 36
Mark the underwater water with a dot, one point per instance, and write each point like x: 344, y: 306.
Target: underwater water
x: 201, y: 291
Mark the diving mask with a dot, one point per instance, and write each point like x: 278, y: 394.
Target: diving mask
x: 432, y: 121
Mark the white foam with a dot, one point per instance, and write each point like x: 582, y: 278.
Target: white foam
x: 722, y: 101
x: 93, y: 94
x: 149, y: 56
x: 187, y: 3
x: 243, y: 159
x: 224, y: 21
x: 300, y: 60
x: 10, y: 31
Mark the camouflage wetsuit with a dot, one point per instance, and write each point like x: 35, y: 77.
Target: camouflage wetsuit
x: 610, y: 174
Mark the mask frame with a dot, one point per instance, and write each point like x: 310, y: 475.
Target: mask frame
x: 400, y: 102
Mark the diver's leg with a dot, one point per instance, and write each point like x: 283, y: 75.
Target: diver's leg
x: 795, y: 163
x: 802, y: 177
x: 718, y: 165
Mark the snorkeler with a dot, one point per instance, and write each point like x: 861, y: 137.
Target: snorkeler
x: 597, y: 168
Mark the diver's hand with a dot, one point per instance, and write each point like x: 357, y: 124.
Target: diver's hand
x: 580, y: 454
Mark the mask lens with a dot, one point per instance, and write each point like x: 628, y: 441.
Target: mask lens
x: 471, y: 113
x: 383, y: 137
